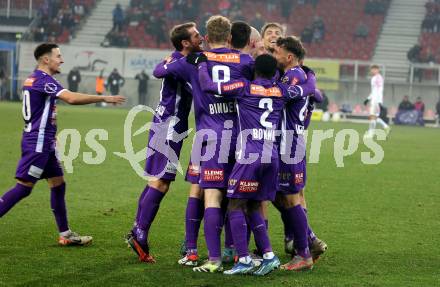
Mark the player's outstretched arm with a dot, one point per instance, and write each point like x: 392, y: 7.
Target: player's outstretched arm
x: 234, y: 88
x: 84, y: 99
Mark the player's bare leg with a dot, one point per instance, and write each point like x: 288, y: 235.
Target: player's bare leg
x: 193, y: 218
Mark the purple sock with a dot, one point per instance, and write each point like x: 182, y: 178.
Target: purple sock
x: 229, y: 240
x: 149, y: 207
x: 288, y: 232
x: 213, y: 225
x: 266, y: 222
x: 298, y: 223
x: 14, y: 195
x: 239, y: 232
x: 310, y: 234
x: 258, y: 227
x: 139, y: 203
x: 193, y: 218
x: 58, y: 205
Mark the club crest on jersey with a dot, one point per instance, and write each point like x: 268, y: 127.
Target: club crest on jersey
x: 213, y: 175
x: 248, y: 186
x: 28, y: 82
x: 50, y: 88
x: 232, y: 181
x: 262, y: 91
x: 285, y: 80
x: 224, y: 58
x: 299, y: 178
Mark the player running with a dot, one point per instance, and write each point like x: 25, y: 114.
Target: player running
x: 170, y: 119
x: 38, y: 152
x: 375, y: 100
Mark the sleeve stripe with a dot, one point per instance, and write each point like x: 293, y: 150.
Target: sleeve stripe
x: 60, y: 92
x: 301, y: 91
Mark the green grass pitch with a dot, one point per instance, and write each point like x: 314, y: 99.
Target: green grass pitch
x: 381, y: 222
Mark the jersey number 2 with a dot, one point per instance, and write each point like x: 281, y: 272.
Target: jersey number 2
x: 267, y: 105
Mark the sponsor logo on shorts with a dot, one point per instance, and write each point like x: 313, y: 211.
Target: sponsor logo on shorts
x: 213, y: 175
x: 232, y: 181
x: 193, y: 170
x: 299, y: 178
x: 35, y: 171
x: 248, y: 186
x: 284, y: 176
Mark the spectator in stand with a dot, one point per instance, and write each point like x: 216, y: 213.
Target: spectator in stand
x: 307, y: 35
x: 286, y: 8
x: 114, y: 82
x: 405, y: 105
x: 318, y: 29
x: 362, y: 31
x: 413, y: 54
x: 143, y: 78
x: 257, y: 22
x: 159, y: 29
x: 223, y: 7
x: 118, y: 18
x: 271, y: 5
x: 73, y: 79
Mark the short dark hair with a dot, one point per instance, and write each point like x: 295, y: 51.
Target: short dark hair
x: 374, y: 66
x: 43, y: 49
x: 179, y: 33
x: 293, y: 45
x: 265, y: 66
x: 240, y: 32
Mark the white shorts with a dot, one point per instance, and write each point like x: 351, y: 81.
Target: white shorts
x: 374, y: 109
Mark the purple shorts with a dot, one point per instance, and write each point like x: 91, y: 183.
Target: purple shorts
x: 192, y: 173
x: 292, y: 177
x: 34, y: 166
x: 255, y: 181
x: 160, y: 163
x: 214, y: 172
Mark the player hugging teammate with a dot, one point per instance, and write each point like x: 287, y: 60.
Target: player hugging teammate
x: 247, y: 111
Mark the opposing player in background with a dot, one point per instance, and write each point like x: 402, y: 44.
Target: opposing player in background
x: 171, y: 118
x: 375, y: 100
x: 38, y: 152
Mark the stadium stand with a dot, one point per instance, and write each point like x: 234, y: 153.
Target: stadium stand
x: 332, y: 30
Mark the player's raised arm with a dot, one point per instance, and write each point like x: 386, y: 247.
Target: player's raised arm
x: 175, y: 68
x: 232, y: 88
x: 84, y: 99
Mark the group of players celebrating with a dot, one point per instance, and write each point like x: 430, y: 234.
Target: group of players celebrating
x: 252, y: 91
x: 255, y: 92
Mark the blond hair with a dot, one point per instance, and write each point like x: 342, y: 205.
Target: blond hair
x: 218, y: 29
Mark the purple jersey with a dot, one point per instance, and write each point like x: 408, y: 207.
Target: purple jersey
x: 40, y: 92
x: 224, y: 65
x: 259, y: 106
x: 175, y: 100
x: 295, y: 112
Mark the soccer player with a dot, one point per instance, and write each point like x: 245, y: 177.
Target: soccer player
x: 39, y: 159
x: 270, y: 33
x: 175, y: 102
x: 216, y: 114
x: 259, y: 105
x: 289, y: 52
x: 375, y: 100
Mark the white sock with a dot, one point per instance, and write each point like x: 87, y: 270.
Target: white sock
x: 65, y: 233
x: 245, y: 260
x: 380, y: 121
x: 372, y: 125
x: 268, y: 255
